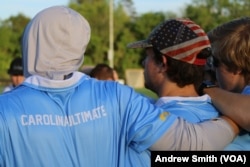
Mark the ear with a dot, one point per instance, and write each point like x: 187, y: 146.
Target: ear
x: 164, y: 64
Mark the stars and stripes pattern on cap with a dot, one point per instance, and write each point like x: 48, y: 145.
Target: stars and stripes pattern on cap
x: 180, y: 39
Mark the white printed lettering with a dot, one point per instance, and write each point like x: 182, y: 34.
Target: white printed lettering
x: 57, y: 120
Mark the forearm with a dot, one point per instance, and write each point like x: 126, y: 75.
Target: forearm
x: 209, y: 135
x: 236, y: 106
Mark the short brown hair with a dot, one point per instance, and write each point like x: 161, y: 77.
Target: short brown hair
x: 231, y: 45
x: 183, y: 73
x: 102, y: 72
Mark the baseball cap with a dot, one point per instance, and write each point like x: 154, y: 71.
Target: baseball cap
x: 181, y: 39
x: 16, y: 67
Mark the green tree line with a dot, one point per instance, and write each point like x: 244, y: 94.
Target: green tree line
x: 129, y: 26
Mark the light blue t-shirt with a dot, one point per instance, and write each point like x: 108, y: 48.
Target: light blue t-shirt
x: 242, y: 141
x: 192, y: 109
x: 87, y: 123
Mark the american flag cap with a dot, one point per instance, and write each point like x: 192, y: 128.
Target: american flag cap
x: 181, y: 39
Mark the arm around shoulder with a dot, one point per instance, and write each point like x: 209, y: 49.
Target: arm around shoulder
x: 235, y: 106
x: 208, y: 135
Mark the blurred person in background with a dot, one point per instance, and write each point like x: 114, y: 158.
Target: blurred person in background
x: 102, y: 72
x: 15, y: 72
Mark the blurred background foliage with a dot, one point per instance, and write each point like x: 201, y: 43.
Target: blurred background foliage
x: 129, y: 26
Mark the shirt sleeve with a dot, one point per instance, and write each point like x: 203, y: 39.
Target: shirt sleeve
x: 1, y: 140
x: 143, y: 122
x: 209, y: 135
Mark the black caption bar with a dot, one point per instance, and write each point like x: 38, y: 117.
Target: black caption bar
x: 199, y: 158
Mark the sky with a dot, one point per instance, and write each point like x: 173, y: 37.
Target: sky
x: 31, y: 7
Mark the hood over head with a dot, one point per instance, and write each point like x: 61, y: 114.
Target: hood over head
x: 54, y: 43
